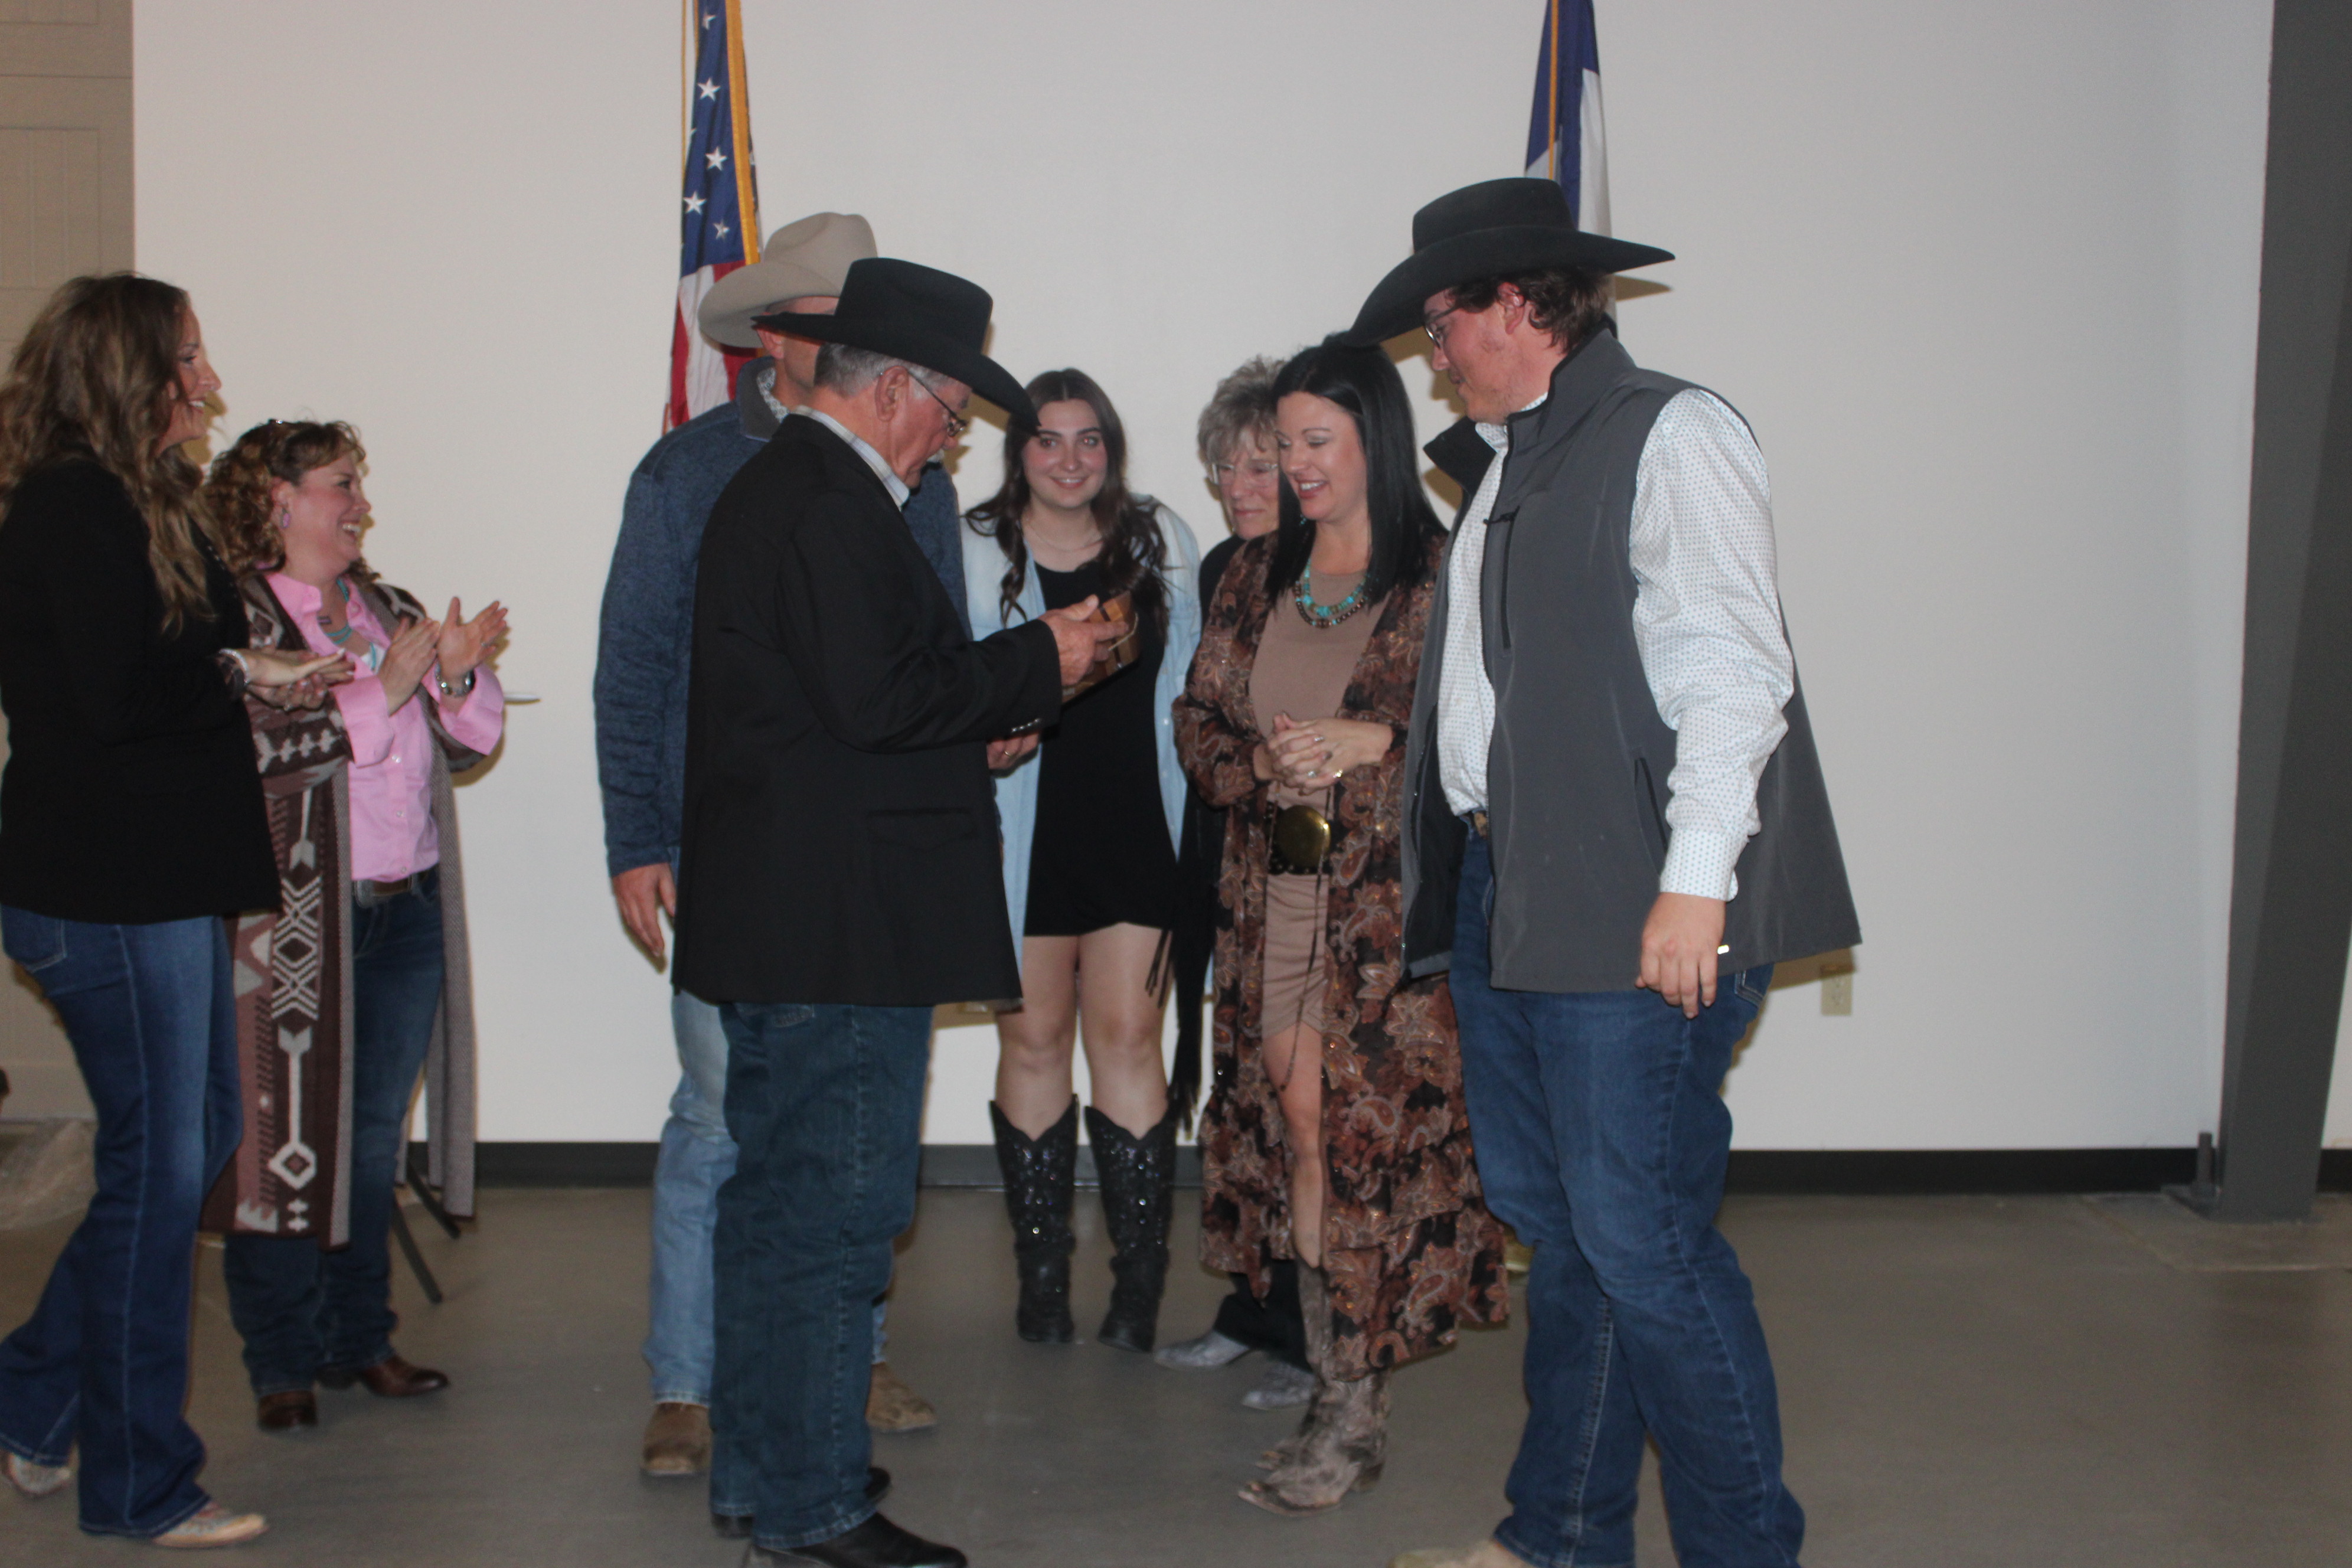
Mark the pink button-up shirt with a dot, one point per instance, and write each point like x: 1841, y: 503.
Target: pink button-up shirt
x: 392, y: 833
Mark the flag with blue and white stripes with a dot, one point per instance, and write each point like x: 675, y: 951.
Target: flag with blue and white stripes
x: 1565, y: 142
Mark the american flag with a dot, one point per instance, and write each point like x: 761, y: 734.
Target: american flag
x: 719, y: 229
x: 1564, y: 136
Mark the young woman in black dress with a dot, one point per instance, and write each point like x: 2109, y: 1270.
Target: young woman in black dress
x: 1090, y: 825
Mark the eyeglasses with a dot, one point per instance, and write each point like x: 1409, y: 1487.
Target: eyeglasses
x: 1430, y: 326
x: 1261, y: 472
x: 957, y: 422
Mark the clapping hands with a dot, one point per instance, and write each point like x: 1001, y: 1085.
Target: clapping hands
x: 464, y: 643
x: 412, y: 653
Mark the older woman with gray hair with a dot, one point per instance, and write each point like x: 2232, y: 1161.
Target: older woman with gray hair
x: 1237, y: 446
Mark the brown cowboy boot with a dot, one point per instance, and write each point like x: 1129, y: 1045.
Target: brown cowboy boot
x: 1342, y: 1444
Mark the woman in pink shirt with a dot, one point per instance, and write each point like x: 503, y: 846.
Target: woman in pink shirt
x: 343, y: 993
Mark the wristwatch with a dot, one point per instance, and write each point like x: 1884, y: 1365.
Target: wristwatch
x: 453, y: 693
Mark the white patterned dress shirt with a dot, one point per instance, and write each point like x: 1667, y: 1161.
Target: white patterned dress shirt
x: 859, y: 444
x: 1707, y: 624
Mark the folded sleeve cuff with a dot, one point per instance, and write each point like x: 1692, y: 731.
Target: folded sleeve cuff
x: 1701, y: 864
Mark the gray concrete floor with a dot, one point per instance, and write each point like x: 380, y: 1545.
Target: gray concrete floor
x: 1966, y: 1381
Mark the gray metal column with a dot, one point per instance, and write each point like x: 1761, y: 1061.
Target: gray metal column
x: 2290, y: 897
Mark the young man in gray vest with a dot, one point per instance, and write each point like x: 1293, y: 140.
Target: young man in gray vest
x: 1615, y: 826
x: 642, y: 668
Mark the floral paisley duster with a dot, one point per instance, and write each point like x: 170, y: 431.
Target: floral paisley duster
x: 292, y: 972
x: 1408, y: 1246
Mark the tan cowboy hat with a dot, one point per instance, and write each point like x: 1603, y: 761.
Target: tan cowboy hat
x: 811, y: 257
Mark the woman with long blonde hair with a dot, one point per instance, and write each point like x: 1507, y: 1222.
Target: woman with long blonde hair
x: 130, y: 822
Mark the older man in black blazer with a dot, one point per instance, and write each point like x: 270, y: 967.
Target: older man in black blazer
x: 840, y: 876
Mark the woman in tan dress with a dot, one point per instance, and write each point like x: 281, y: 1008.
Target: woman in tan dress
x: 1336, y: 1134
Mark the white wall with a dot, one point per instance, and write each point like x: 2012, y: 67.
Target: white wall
x: 1982, y: 277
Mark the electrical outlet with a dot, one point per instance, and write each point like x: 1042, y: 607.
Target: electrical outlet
x: 1837, y: 995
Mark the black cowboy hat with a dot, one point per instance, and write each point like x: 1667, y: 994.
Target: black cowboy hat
x: 1486, y: 231
x: 918, y: 314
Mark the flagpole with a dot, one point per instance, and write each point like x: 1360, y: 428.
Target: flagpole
x: 747, y: 192
x: 1554, y: 164
x: 685, y: 85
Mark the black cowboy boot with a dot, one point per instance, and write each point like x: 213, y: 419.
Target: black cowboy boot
x: 1139, y: 1179
x: 1039, y: 1175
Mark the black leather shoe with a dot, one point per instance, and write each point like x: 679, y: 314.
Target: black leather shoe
x: 391, y: 1378
x: 876, y: 1543
x: 738, y: 1526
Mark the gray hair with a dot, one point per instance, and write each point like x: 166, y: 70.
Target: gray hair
x: 850, y: 370
x: 1243, y: 406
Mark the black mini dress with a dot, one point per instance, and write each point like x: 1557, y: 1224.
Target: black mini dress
x: 1100, y: 855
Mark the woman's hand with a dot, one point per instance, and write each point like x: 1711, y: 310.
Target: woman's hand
x: 412, y: 653
x: 305, y: 695
x: 267, y: 667
x: 1317, y: 752
x: 463, y: 642
x: 1262, y: 760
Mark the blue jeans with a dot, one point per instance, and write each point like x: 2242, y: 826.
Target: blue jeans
x: 1602, y: 1138
x: 696, y: 1155
x: 301, y: 1309
x: 827, y: 1106
x: 104, y: 1357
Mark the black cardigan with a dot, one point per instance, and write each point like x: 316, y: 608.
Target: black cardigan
x: 131, y: 794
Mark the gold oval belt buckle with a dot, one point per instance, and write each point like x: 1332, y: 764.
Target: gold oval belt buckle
x: 1302, y: 836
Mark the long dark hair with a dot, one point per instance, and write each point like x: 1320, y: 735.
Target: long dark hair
x: 96, y: 375
x: 1134, y: 556
x: 1365, y: 383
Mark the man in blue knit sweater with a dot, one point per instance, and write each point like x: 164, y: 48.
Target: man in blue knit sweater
x: 646, y: 631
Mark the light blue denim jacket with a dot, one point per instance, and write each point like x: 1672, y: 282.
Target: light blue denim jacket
x: 1016, y: 791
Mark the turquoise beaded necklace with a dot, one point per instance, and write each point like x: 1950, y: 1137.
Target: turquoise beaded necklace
x: 373, y: 654
x: 1323, y: 617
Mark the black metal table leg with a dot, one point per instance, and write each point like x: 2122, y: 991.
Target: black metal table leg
x: 424, y: 1191
x: 415, y: 1258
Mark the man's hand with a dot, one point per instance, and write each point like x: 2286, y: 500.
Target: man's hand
x: 1078, y: 638
x: 645, y: 893
x: 1678, y: 950
x: 1002, y: 754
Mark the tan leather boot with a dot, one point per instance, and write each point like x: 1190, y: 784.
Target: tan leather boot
x: 1487, y: 1553
x: 892, y: 1407
x: 678, y: 1440
x: 1342, y: 1444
